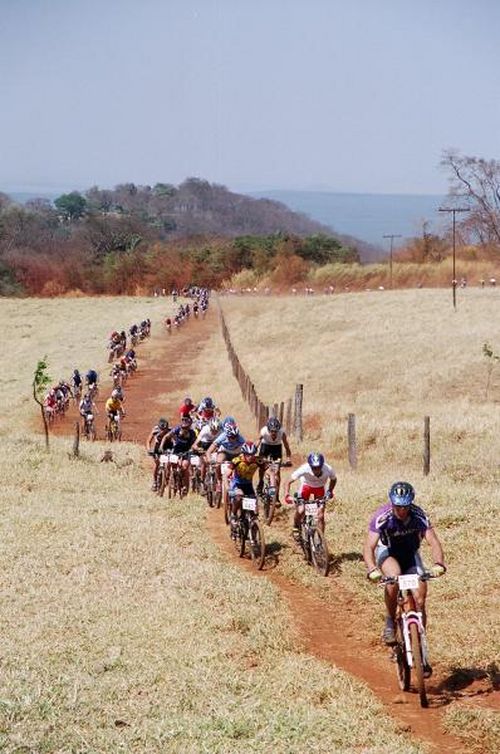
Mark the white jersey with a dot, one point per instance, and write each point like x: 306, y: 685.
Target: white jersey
x: 306, y: 476
x: 206, y: 436
x: 268, y: 440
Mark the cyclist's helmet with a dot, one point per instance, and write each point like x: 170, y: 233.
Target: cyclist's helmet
x: 316, y: 460
x: 215, y: 425
x: 188, y: 401
x: 115, y: 393
x: 231, y: 430
x: 207, y: 402
x: 162, y: 424
x: 402, y: 494
x: 273, y: 424
x: 76, y: 372
x: 186, y: 421
x: 249, y: 449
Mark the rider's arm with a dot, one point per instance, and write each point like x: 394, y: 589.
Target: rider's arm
x: 168, y: 436
x: 435, y: 545
x: 148, y: 441
x: 369, y: 550
x: 286, y: 446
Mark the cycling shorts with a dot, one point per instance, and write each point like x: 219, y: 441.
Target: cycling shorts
x: 409, y: 562
x: 307, y: 492
x: 271, y: 451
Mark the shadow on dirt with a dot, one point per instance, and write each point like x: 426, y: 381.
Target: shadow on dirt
x: 461, y: 679
x: 344, y: 557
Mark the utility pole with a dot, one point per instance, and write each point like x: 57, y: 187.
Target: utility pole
x: 392, y: 236
x: 454, y: 211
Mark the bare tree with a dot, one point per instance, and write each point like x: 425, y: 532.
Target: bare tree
x: 477, y: 182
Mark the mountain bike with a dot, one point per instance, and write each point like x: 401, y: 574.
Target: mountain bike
x: 410, y: 652
x: 225, y: 468
x: 213, y: 496
x: 311, y: 538
x: 270, y: 489
x: 89, y: 430
x: 195, y: 464
x: 176, y: 479
x: 249, y: 529
x: 113, y: 429
x: 161, y: 474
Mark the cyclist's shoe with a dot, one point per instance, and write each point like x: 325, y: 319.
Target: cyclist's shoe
x: 296, y: 534
x: 389, y: 635
x: 233, y: 524
x: 427, y: 670
x: 260, y: 487
x: 154, y: 487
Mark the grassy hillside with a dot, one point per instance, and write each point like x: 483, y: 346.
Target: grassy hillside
x: 123, y: 627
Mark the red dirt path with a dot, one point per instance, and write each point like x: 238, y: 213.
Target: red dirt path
x: 329, y: 632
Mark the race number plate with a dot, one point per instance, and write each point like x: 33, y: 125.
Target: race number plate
x: 173, y: 458
x: 164, y: 459
x: 249, y: 504
x: 194, y: 460
x: 408, y: 581
x: 90, y: 417
x: 311, y: 509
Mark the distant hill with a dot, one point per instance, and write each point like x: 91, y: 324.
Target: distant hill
x: 197, y: 207
x: 366, y: 216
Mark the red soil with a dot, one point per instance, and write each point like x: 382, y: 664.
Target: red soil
x: 338, y: 633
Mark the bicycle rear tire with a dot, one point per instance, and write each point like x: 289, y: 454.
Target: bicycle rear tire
x: 269, y: 504
x: 403, y: 671
x: 416, y: 650
x: 161, y: 481
x: 320, y: 557
x: 257, y: 544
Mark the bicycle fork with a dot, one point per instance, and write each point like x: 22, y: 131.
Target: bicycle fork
x: 409, y: 618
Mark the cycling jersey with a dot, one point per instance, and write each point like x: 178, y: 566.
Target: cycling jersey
x: 113, y: 405
x: 267, y: 438
x: 206, y: 436
x: 229, y: 444
x: 182, y: 443
x: 305, y: 475
x: 402, y: 538
x: 242, y: 470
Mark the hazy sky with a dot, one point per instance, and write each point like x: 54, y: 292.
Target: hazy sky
x: 347, y: 95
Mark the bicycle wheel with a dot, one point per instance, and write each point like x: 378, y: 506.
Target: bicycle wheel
x: 402, y: 670
x: 210, y: 495
x: 305, y: 543
x: 257, y: 544
x: 92, y: 435
x: 269, y: 506
x: 227, y: 509
x: 320, y: 557
x: 171, y: 485
x: 242, y: 537
x: 161, y: 481
x: 418, y: 667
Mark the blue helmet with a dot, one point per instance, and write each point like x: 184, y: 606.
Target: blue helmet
x: 316, y: 460
x: 207, y: 402
x: 402, y: 494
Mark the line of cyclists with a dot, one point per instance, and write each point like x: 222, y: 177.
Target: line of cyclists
x: 395, y: 531
x: 199, y: 306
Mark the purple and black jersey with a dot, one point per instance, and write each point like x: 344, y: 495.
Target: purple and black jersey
x: 402, y: 538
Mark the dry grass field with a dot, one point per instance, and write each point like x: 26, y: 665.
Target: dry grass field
x: 123, y: 627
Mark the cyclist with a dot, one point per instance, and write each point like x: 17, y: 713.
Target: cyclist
x: 207, y: 410
x: 395, y: 532
x: 243, y: 468
x: 153, y: 443
x: 227, y: 445
x: 182, y: 437
x: 86, y: 408
x: 91, y: 381
x: 313, y: 477
x: 270, y: 445
x: 205, y: 438
x: 187, y: 407
x: 76, y: 382
x: 114, y: 408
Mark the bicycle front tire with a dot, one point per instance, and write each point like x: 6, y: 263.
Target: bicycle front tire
x: 320, y: 557
x: 257, y: 544
x: 416, y: 650
x: 402, y: 669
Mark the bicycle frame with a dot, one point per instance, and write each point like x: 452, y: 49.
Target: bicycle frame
x: 408, y: 614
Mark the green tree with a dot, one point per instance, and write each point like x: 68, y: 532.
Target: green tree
x: 41, y: 381
x: 71, y: 206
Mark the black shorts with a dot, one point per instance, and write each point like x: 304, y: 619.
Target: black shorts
x: 271, y: 451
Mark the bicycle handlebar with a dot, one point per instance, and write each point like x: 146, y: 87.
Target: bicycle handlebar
x: 426, y: 576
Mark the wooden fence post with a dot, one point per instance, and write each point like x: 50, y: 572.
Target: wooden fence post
x: 282, y: 412
x: 288, y: 420
x: 76, y: 441
x: 351, y: 440
x: 297, y: 419
x: 427, y: 445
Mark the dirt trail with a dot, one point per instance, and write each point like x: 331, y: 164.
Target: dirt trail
x: 336, y: 634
